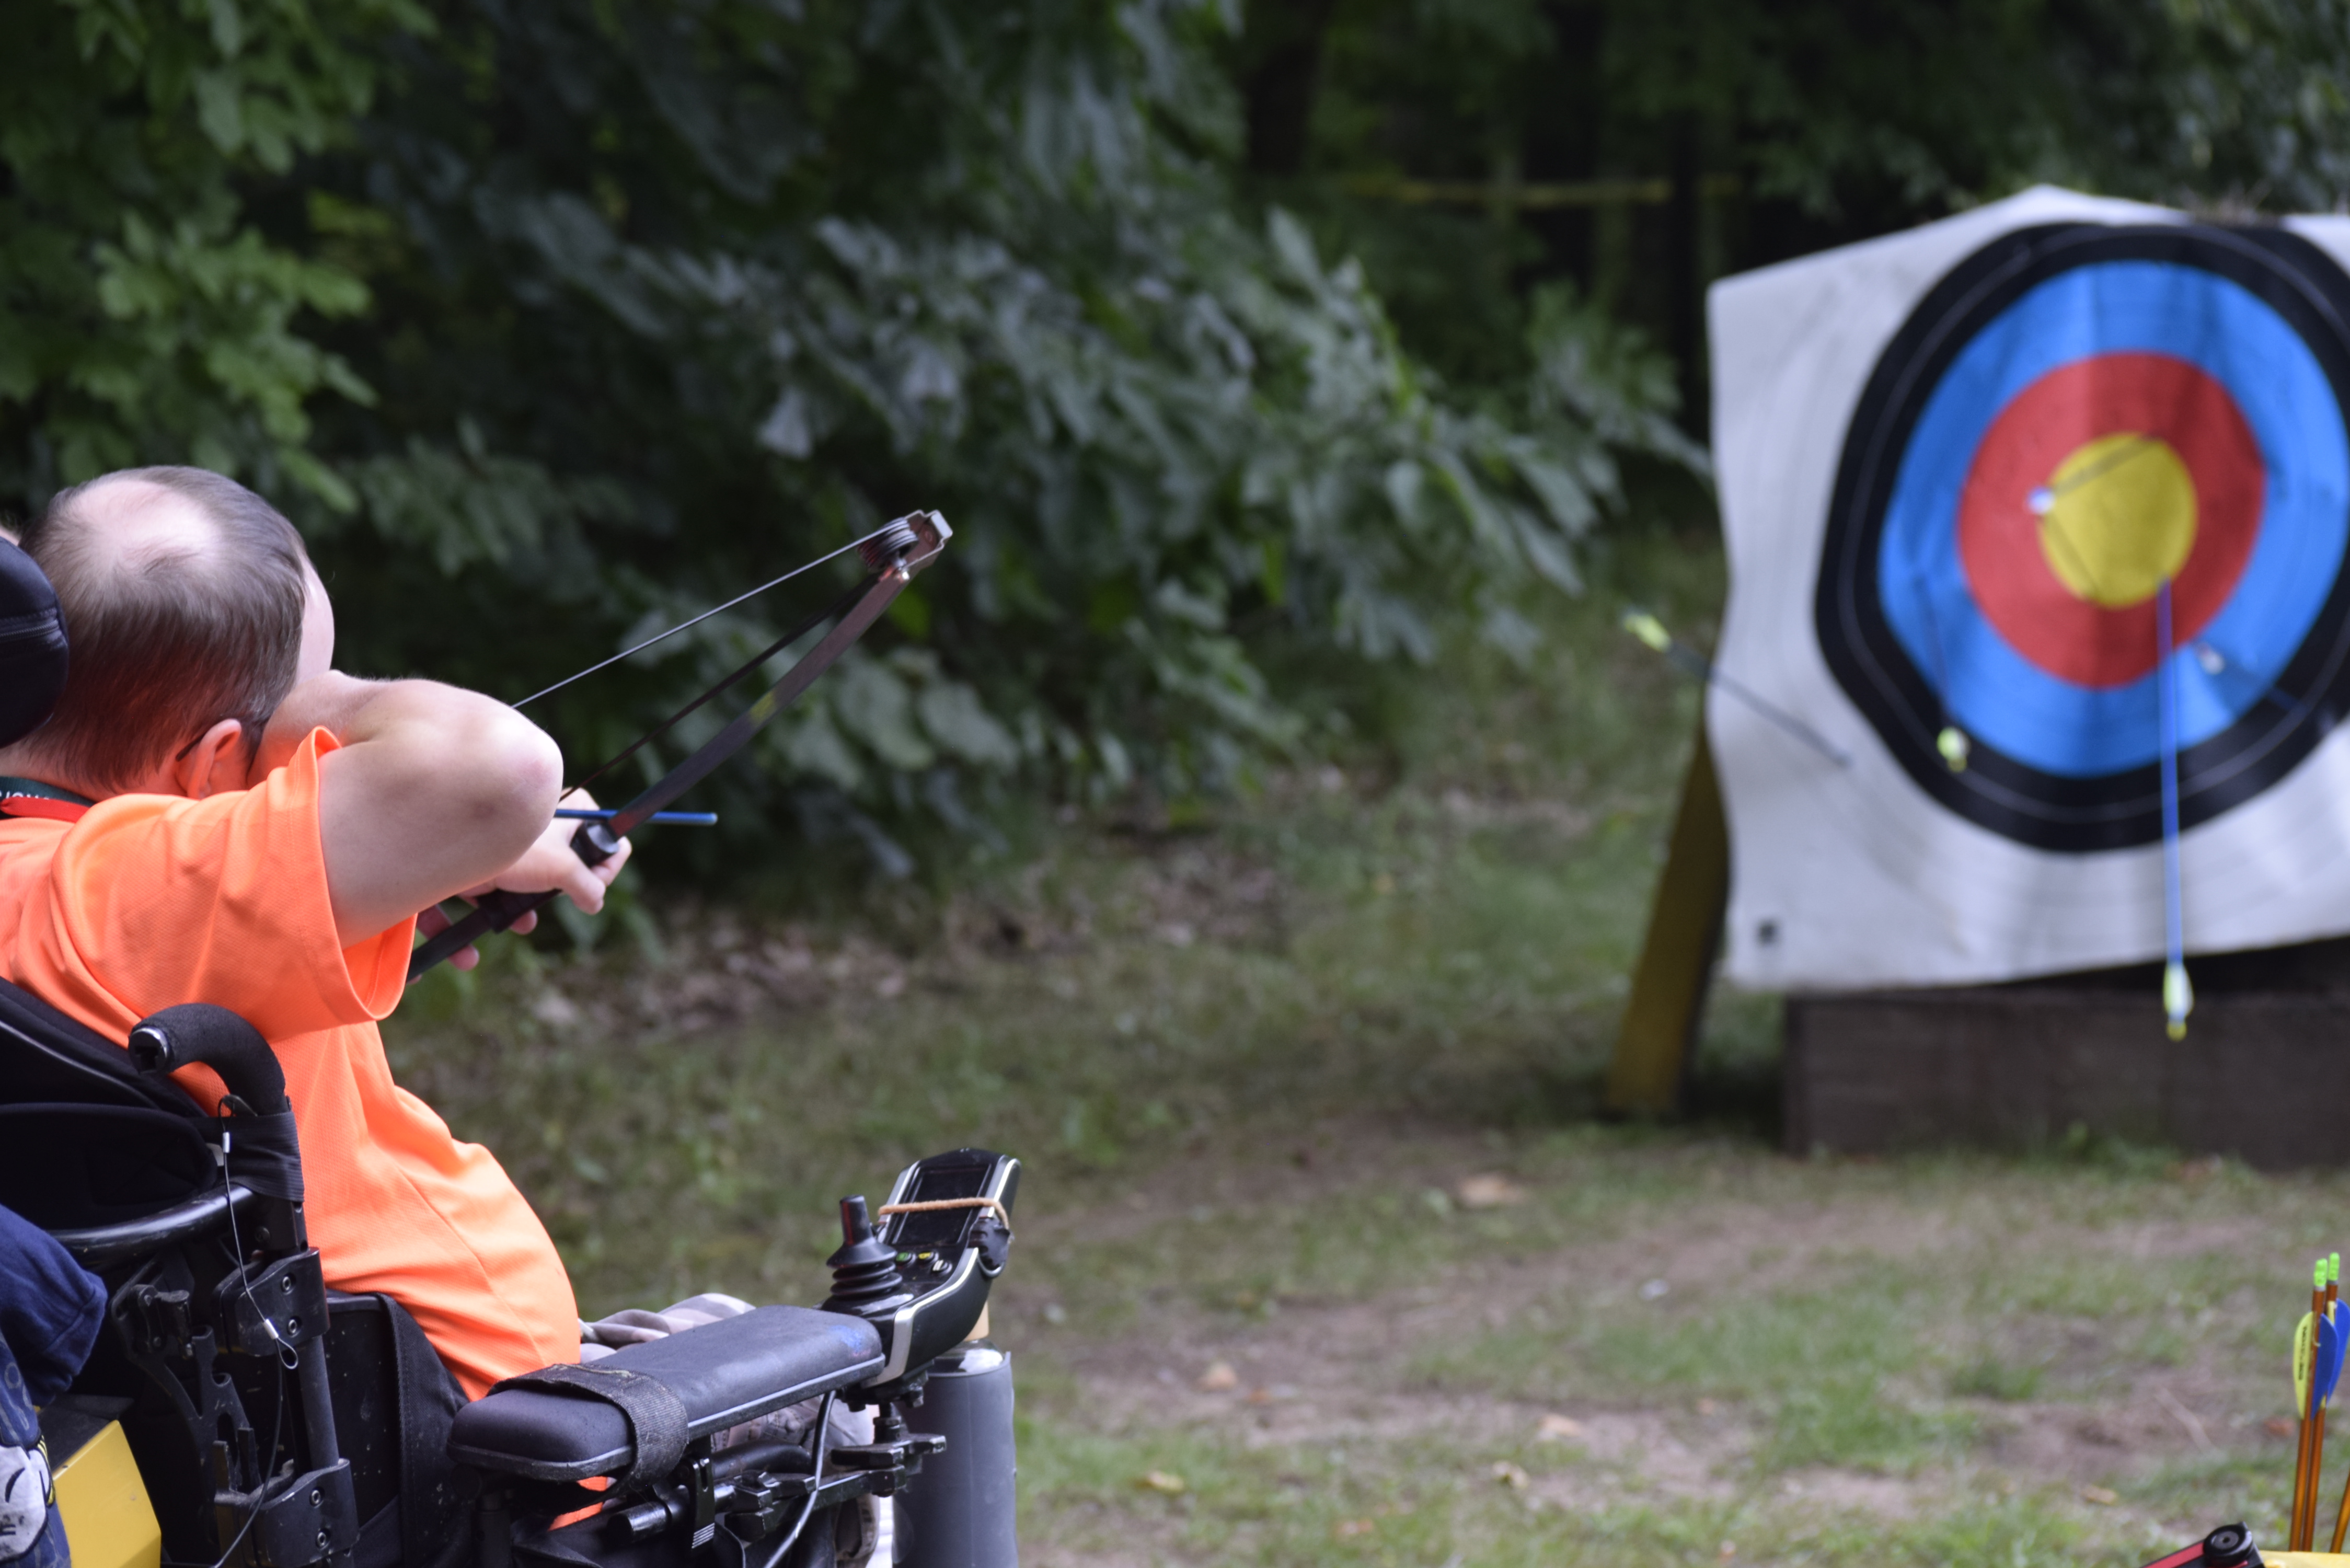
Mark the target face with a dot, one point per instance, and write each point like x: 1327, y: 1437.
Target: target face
x: 2073, y: 417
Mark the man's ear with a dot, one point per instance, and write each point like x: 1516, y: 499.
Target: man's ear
x: 214, y: 764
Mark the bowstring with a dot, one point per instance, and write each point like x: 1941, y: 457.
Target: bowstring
x: 705, y: 615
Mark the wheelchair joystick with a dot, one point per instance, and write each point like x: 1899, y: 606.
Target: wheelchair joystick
x: 865, y: 1278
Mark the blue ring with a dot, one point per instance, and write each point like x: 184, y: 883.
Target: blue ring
x: 1993, y: 692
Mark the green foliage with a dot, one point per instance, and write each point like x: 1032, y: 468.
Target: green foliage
x: 620, y: 308
x: 553, y: 323
x: 1923, y: 107
x: 1989, y: 1377
x: 1804, y: 122
x: 143, y: 317
x: 669, y: 298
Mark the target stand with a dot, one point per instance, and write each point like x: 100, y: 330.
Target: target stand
x: 2099, y: 469
x: 2262, y: 1077
x: 2026, y: 1065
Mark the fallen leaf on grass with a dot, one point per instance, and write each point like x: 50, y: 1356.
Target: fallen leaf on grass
x: 1510, y: 1476
x: 1346, y: 1527
x: 2277, y: 1427
x: 554, y: 1010
x: 1220, y: 1378
x: 2100, y: 1496
x: 1558, y: 1429
x: 1166, y: 1481
x: 1490, y: 1191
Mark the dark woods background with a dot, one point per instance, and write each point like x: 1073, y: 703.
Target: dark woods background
x: 1227, y: 336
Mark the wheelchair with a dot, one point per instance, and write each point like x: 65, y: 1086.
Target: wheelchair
x: 238, y: 1414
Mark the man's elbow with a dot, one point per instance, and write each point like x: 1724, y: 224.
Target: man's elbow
x: 514, y: 775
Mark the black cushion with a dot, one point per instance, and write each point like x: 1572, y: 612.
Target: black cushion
x: 48, y: 1056
x: 723, y: 1372
x: 77, y: 1150
x: 67, y: 1167
x: 32, y: 646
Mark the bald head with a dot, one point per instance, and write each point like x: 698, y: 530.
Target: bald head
x: 127, y: 522
x: 183, y: 595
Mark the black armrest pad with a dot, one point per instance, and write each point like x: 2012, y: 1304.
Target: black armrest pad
x: 723, y: 1372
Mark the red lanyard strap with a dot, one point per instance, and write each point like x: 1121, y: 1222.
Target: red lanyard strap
x: 30, y: 797
x: 42, y: 806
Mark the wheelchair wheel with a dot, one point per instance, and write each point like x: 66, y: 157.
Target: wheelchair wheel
x: 842, y: 1537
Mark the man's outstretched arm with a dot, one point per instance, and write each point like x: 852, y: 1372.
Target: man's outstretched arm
x: 434, y: 790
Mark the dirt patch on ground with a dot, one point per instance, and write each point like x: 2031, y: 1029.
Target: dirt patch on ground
x: 1334, y: 1372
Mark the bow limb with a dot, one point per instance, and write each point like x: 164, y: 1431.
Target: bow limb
x: 596, y: 841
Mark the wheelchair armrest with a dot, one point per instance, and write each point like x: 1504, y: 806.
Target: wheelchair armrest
x: 101, y: 1246
x: 722, y: 1374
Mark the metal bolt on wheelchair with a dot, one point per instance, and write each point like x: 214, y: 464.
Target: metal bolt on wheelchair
x: 238, y: 1414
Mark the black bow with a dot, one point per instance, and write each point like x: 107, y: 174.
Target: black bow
x: 892, y: 555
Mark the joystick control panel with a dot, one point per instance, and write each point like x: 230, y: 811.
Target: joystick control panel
x: 944, y: 1234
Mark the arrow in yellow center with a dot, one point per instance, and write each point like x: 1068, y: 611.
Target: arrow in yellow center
x: 2116, y: 518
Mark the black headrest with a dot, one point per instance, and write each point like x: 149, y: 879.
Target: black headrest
x: 32, y: 646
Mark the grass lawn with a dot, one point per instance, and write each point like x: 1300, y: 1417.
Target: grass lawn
x: 1323, y: 1255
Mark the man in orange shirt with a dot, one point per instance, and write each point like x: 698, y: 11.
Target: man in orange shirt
x: 214, y: 815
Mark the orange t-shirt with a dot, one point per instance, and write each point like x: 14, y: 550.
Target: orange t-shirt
x: 150, y: 900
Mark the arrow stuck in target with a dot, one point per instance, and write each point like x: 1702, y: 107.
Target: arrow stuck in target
x: 2177, y: 991
x: 1690, y: 661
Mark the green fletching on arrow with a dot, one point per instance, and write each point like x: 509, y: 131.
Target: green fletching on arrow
x: 1648, y: 629
x: 2177, y: 998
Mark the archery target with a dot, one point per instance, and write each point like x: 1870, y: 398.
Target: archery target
x: 2074, y: 416
x: 1957, y: 467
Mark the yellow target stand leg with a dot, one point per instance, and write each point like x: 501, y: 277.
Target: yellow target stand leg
x: 1669, y: 985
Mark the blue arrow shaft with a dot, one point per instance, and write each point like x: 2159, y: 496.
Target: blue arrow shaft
x: 658, y: 819
x: 2174, y: 913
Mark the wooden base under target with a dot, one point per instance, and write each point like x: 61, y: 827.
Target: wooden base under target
x: 2263, y: 1075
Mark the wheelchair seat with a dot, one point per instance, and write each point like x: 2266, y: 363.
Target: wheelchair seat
x: 722, y: 1374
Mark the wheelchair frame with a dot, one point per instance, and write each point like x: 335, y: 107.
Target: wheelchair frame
x: 276, y: 1424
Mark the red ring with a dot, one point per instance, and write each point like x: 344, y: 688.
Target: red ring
x: 1999, y: 534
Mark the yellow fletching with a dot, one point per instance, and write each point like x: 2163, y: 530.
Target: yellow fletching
x: 1648, y: 629
x: 2304, y: 1355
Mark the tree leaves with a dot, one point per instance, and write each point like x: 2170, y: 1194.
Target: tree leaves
x: 593, y: 315
x: 968, y: 266
x: 143, y: 316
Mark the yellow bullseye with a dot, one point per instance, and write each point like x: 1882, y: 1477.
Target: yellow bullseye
x: 2116, y: 518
